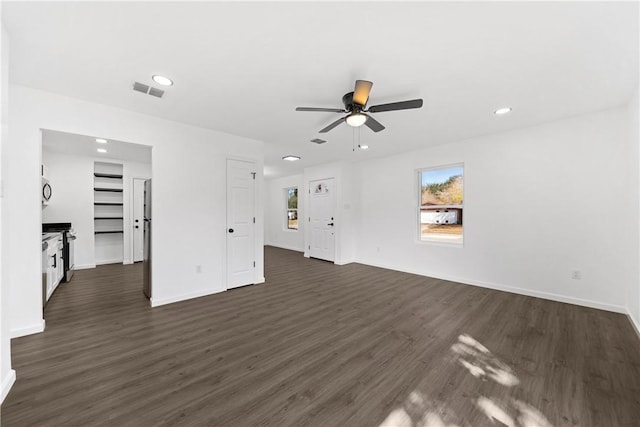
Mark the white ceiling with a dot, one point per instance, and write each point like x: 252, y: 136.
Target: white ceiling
x: 243, y: 67
x: 86, y: 146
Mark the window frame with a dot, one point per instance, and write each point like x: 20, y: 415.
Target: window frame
x: 436, y: 241
x: 287, y: 209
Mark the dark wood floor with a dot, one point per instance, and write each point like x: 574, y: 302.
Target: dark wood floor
x: 322, y: 345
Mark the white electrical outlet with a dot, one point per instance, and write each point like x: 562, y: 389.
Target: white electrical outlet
x: 576, y: 274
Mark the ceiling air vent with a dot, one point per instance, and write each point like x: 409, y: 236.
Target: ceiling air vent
x: 149, y: 90
x: 318, y: 141
x: 156, y: 92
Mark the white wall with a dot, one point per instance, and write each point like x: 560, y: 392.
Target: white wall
x: 7, y: 375
x: 346, y: 207
x: 633, y: 294
x: 71, y: 179
x: 189, y: 196
x: 539, y: 202
x: 275, y: 225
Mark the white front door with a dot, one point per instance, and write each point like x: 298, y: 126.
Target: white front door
x: 240, y: 223
x: 138, y: 218
x: 321, y: 219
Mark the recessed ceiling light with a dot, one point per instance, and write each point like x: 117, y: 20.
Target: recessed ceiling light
x: 291, y: 158
x: 363, y: 147
x: 162, y: 80
x: 101, y: 140
x: 102, y: 150
x: 501, y: 111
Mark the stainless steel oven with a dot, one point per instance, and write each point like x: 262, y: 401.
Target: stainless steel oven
x: 68, y: 238
x: 68, y: 241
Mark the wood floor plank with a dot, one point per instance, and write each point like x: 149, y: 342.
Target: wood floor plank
x: 321, y: 345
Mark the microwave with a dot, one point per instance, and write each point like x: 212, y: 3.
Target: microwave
x: 46, y: 191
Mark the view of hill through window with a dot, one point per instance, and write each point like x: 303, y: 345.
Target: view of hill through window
x: 441, y: 204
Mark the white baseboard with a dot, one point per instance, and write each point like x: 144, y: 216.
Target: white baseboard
x: 290, y: 248
x: 33, y: 329
x: 7, y: 383
x: 155, y: 302
x: 84, y: 266
x: 260, y: 280
x: 515, y: 290
x: 634, y: 323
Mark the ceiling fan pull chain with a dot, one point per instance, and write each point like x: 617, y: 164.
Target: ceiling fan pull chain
x: 353, y: 139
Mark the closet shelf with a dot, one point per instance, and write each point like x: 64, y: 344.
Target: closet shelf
x: 109, y: 232
x: 107, y: 204
x: 107, y: 175
x: 112, y: 190
x: 108, y: 217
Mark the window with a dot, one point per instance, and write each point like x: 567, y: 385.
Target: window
x: 441, y: 204
x: 292, y: 208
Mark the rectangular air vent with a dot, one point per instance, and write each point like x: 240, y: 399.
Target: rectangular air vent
x: 156, y: 92
x: 140, y: 87
x: 318, y: 141
x: 149, y: 90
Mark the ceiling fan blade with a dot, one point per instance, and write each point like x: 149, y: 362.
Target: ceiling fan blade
x: 330, y: 110
x: 332, y: 125
x: 373, y: 124
x: 393, y: 106
x: 361, y: 92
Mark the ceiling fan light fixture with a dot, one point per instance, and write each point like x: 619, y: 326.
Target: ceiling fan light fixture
x: 291, y: 158
x: 356, y: 119
x: 501, y: 111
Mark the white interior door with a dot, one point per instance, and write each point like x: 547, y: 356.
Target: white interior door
x: 240, y: 223
x: 321, y: 219
x: 138, y: 217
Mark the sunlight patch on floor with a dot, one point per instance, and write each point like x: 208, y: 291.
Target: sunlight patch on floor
x: 419, y: 411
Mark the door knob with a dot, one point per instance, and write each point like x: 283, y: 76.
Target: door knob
x: 137, y: 226
x: 331, y: 224
x: 231, y: 230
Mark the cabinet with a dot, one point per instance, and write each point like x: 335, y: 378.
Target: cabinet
x: 55, y: 264
x: 108, y: 215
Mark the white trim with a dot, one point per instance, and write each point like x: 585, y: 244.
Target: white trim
x: 290, y: 248
x: 634, y: 323
x: 29, y: 330
x: 164, y: 301
x: 127, y: 262
x: 514, y: 290
x: 260, y: 281
x: 7, y: 383
x: 84, y: 266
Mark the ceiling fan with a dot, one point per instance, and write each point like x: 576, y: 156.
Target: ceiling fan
x: 355, y: 105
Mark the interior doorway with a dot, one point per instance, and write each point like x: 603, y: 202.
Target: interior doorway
x: 91, y: 192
